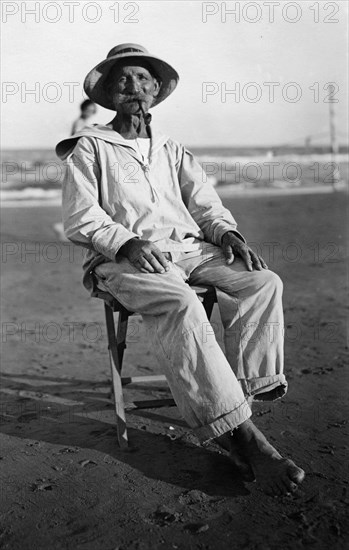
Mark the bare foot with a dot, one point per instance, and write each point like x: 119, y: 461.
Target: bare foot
x: 276, y: 475
x: 228, y: 442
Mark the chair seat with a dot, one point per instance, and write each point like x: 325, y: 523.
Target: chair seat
x: 110, y: 300
x: 114, y: 304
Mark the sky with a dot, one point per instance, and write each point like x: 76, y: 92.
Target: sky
x: 300, y: 47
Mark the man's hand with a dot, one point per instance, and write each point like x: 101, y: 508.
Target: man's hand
x: 145, y: 255
x: 233, y: 246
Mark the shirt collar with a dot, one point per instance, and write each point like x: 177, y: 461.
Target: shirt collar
x: 65, y: 147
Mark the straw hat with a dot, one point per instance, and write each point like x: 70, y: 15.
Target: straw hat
x: 94, y: 84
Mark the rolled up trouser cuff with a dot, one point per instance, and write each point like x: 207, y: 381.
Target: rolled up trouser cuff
x: 225, y: 423
x: 268, y: 388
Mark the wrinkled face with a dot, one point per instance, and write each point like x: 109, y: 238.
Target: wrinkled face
x: 130, y: 84
x: 88, y: 111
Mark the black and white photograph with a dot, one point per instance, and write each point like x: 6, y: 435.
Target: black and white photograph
x: 174, y: 275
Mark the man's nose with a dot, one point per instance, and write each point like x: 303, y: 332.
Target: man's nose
x: 133, y: 84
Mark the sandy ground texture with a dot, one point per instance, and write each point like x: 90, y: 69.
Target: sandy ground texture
x: 64, y: 481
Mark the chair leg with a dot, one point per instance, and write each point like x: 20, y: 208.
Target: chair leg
x: 121, y: 334
x: 208, y: 303
x: 115, y: 365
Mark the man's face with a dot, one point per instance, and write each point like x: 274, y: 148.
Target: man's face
x: 131, y: 84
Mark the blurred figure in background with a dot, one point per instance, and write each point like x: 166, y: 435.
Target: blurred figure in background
x: 88, y: 110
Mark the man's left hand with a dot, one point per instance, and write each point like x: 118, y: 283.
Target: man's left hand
x: 233, y: 246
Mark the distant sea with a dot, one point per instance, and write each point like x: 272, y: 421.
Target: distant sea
x: 36, y: 174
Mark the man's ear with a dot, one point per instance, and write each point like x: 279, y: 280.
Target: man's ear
x: 157, y: 86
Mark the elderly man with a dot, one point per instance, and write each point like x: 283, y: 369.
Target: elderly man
x: 151, y: 223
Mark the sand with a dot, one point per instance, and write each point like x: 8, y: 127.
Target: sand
x: 66, y: 484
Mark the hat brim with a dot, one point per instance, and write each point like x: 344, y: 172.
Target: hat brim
x: 94, y: 84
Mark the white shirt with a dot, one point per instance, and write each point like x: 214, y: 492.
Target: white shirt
x: 169, y: 201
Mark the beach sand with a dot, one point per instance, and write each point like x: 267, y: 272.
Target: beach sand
x: 66, y: 484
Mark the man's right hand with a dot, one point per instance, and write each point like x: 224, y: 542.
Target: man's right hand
x: 145, y: 256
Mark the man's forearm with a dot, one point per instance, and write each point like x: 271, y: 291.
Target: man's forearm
x: 124, y: 249
x: 234, y: 234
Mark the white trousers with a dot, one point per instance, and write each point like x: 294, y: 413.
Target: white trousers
x: 209, y: 387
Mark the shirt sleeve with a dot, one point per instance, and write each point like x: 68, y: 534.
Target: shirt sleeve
x: 85, y: 222
x: 203, y: 202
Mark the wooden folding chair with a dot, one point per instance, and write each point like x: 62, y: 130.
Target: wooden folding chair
x: 117, y: 345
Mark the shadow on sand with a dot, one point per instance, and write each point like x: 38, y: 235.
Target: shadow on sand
x: 76, y: 413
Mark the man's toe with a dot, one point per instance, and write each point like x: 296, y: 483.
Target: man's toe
x: 295, y: 473
x: 289, y: 485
